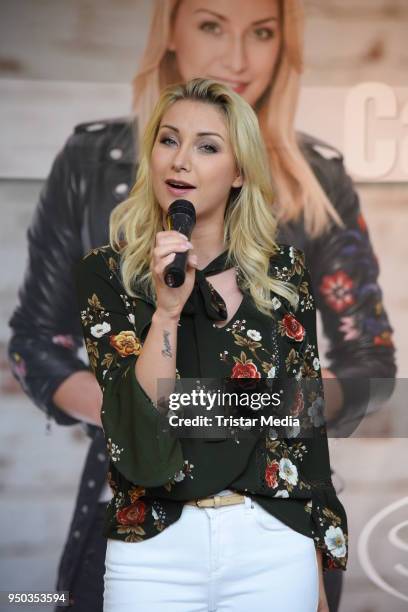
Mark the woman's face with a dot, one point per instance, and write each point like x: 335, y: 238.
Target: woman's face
x: 192, y: 158
x: 235, y: 42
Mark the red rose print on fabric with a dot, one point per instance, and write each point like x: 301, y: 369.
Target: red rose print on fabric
x: 245, y: 370
x: 292, y: 328
x: 132, y: 515
x: 271, y: 473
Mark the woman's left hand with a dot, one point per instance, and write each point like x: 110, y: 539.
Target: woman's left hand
x: 323, y: 606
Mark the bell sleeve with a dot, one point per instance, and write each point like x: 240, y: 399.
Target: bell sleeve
x: 140, y: 448
x: 328, y: 516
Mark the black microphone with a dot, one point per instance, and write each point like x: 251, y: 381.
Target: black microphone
x: 181, y: 217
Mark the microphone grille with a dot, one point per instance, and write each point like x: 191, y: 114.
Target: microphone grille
x: 182, y: 206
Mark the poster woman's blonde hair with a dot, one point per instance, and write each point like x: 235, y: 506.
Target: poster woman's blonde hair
x: 249, y: 222
x: 298, y: 190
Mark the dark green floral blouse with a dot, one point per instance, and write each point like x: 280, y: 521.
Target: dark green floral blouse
x: 152, y: 472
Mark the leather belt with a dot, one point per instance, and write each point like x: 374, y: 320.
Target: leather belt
x: 215, y: 501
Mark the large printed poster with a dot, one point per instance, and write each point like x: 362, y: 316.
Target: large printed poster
x: 79, y: 82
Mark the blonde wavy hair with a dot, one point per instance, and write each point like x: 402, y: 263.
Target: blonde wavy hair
x: 298, y: 190
x: 249, y: 224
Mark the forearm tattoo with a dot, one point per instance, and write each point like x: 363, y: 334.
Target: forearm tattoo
x: 166, y: 351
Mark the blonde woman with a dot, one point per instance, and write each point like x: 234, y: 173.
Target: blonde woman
x: 193, y: 523
x: 257, y: 49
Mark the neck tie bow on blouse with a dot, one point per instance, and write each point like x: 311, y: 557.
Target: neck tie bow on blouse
x: 204, y: 298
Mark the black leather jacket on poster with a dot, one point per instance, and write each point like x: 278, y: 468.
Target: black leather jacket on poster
x: 89, y: 177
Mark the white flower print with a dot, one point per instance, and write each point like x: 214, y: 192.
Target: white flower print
x: 316, y: 363
x: 254, y: 335
x: 114, y: 450
x: 131, y: 318
x: 119, y: 500
x: 276, y: 303
x: 316, y: 412
x: 272, y: 372
x: 335, y: 541
x: 288, y: 471
x: 100, y: 329
x: 282, y: 493
x: 154, y: 514
x: 179, y: 476
x: 306, y: 303
x: 186, y: 471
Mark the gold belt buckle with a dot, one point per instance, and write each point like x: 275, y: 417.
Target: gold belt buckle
x: 203, y: 503
x: 217, y: 501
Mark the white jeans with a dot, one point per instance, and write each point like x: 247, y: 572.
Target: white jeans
x: 235, y: 558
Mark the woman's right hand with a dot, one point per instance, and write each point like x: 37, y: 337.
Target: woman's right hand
x: 170, y: 300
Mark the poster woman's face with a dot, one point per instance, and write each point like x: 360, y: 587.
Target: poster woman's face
x: 235, y: 42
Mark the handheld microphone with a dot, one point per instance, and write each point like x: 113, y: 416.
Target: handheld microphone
x: 180, y: 217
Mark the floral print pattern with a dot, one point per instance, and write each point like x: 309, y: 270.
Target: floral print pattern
x: 337, y: 289
x: 292, y: 328
x: 290, y: 468
x: 180, y: 475
x: 113, y: 450
x: 126, y: 343
x: 244, y: 368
